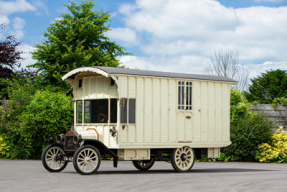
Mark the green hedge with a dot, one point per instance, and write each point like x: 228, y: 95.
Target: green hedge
x: 31, y: 117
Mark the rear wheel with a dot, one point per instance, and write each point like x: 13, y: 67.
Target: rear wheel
x: 87, y: 160
x: 182, y: 159
x: 53, y: 158
x: 144, y: 165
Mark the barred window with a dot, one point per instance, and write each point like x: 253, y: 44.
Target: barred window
x: 184, y: 95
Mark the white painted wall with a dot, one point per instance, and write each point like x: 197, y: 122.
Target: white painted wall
x: 159, y: 123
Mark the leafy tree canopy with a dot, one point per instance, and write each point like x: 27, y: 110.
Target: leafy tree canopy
x: 9, y: 57
x: 75, y: 40
x: 268, y: 86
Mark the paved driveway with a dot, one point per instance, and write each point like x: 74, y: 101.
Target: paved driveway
x: 29, y: 175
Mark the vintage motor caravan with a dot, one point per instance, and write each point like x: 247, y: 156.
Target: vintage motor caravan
x: 139, y: 115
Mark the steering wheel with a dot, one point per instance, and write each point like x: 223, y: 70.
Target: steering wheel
x: 102, y: 117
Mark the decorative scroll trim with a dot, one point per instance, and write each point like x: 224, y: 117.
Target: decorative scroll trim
x: 85, y: 69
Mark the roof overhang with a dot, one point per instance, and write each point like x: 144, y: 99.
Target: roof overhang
x: 85, y: 69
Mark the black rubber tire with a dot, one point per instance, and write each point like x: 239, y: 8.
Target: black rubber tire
x: 151, y: 161
x: 173, y: 162
x: 44, y: 160
x: 76, y: 156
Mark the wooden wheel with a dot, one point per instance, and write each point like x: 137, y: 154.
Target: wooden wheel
x: 182, y: 159
x: 53, y: 158
x: 144, y: 165
x: 87, y: 160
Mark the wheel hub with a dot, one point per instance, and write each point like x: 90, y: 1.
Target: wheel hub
x: 87, y: 160
x: 183, y: 157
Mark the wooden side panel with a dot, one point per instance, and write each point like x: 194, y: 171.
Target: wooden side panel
x: 196, y: 102
x: 86, y: 87
x: 225, y: 112
x: 132, y: 87
x: 106, y: 86
x: 188, y: 127
x: 80, y: 93
x: 163, y: 113
x: 100, y: 87
x: 204, y: 111
x: 211, y: 111
x: 131, y: 133
x: 156, y: 105
x: 172, y: 108
x: 123, y: 86
x: 180, y: 126
x: 148, y: 110
x: 93, y: 86
x: 218, y: 111
x: 140, y: 109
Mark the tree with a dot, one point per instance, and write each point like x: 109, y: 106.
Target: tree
x: 76, y: 40
x: 268, y: 86
x: 226, y: 64
x: 10, y: 58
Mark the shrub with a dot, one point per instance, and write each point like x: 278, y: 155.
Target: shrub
x: 238, y: 105
x: 247, y: 130
x: 276, y: 151
x: 246, y: 134
x: 32, y: 116
x: 4, y: 146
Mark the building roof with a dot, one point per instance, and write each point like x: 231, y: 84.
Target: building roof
x: 115, y: 70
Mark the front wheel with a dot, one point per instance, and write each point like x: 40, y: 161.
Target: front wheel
x: 52, y: 158
x: 143, y: 165
x: 87, y: 160
x: 182, y: 159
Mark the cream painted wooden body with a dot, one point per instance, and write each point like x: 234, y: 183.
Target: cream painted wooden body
x: 159, y: 123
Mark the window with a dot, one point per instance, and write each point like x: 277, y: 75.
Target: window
x: 112, y: 82
x: 184, y: 95
x: 96, y: 111
x: 113, y: 110
x: 80, y: 83
x: 123, y: 110
x: 79, y: 111
x: 128, y: 108
x: 132, y: 110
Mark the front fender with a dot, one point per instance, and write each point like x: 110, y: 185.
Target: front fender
x: 102, y: 147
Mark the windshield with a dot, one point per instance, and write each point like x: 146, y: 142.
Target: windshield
x: 97, y: 111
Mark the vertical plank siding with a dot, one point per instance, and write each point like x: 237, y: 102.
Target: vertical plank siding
x: 157, y: 119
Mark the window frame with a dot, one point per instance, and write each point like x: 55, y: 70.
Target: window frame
x: 186, y: 95
x: 128, y: 111
x: 80, y: 79
x: 83, y: 110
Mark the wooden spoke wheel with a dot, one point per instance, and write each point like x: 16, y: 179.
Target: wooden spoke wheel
x: 53, y: 158
x: 87, y: 160
x: 182, y: 159
x: 144, y: 165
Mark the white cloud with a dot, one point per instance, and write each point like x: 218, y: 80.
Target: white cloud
x: 125, y: 35
x: 8, y: 7
x: 26, y: 49
x: 38, y: 3
x: 56, y: 19
x: 257, y: 69
x: 18, y: 25
x: 181, y: 64
x: 186, y: 32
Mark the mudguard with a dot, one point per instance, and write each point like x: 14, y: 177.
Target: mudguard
x: 102, y: 147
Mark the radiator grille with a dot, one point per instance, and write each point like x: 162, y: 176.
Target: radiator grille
x: 69, y: 145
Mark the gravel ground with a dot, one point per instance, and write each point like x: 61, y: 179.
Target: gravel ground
x: 30, y: 175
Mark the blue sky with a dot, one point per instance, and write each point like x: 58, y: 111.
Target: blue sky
x: 170, y: 35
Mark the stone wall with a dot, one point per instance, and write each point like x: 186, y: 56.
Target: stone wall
x: 277, y: 114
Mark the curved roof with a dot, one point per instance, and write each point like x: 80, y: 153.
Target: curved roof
x: 105, y: 71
